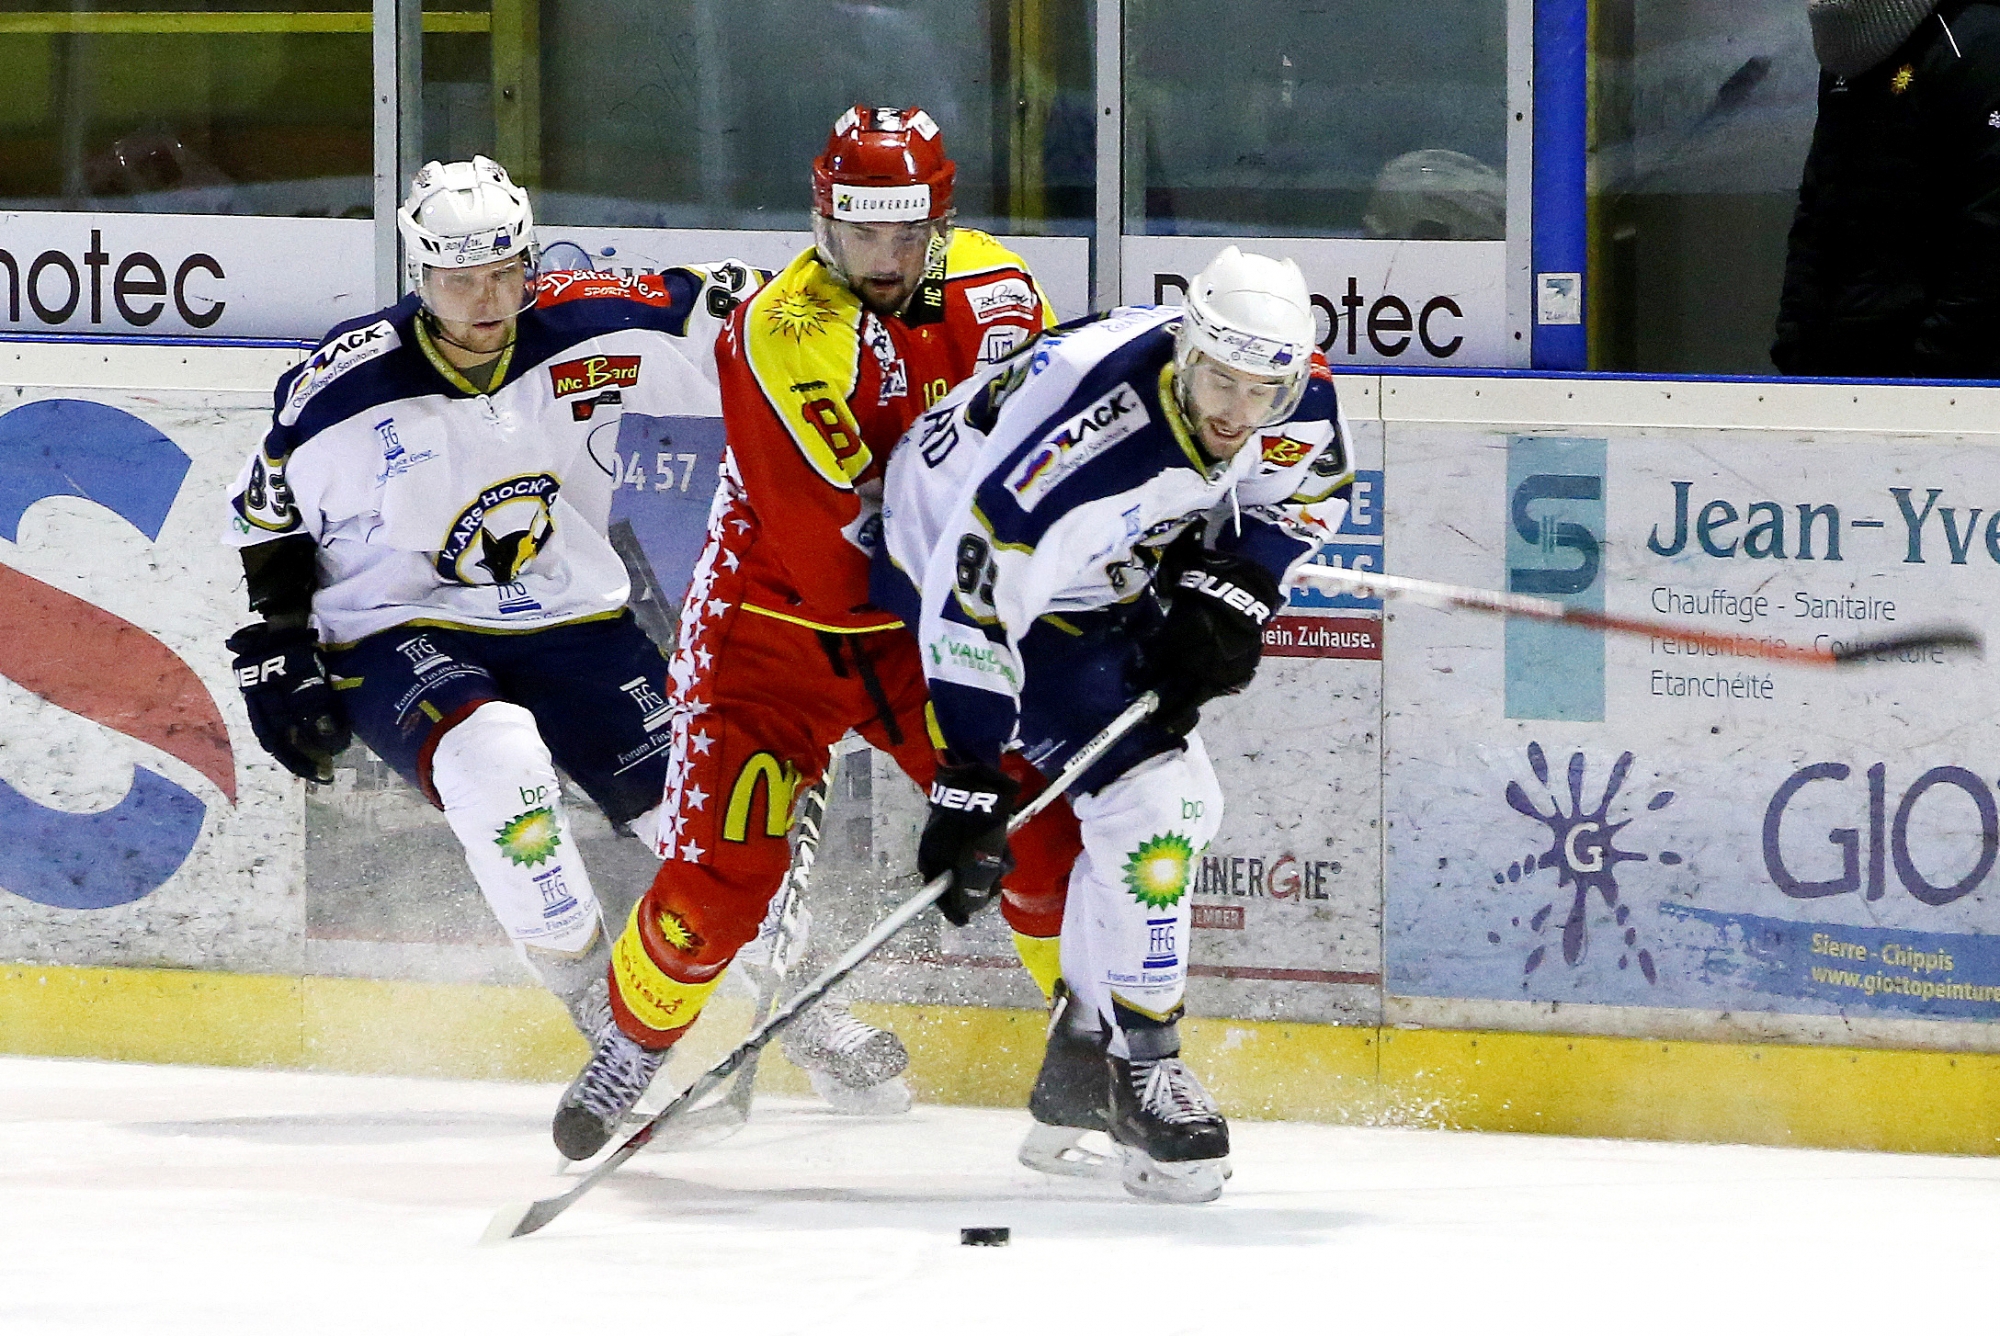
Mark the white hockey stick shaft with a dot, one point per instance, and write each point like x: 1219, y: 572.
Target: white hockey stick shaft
x: 784, y: 939
x: 1374, y: 584
x: 514, y: 1221
x: 732, y: 1110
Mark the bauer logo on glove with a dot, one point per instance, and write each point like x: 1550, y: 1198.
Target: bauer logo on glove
x: 963, y: 800
x: 293, y: 710
x: 1228, y: 594
x: 965, y: 836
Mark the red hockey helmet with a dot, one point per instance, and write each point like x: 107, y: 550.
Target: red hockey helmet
x: 883, y: 166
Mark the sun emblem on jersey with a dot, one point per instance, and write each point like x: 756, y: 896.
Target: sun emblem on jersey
x: 1157, y: 871
x: 531, y: 837
x: 799, y: 314
x: 677, y: 934
x: 1901, y: 80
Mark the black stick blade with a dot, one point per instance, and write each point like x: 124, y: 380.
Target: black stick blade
x: 511, y: 1222
x: 1937, y: 638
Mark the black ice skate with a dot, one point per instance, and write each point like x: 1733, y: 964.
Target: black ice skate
x: 854, y: 1066
x: 1071, y: 1098
x: 606, y: 1089
x: 1175, y: 1140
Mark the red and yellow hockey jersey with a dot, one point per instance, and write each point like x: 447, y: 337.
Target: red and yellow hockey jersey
x: 816, y: 389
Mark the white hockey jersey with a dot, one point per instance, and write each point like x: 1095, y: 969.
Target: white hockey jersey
x: 1047, y: 486
x: 433, y: 503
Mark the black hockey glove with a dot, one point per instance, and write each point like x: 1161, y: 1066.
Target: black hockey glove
x: 1213, y: 635
x: 293, y: 710
x: 966, y: 836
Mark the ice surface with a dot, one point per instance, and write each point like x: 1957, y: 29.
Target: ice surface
x: 141, y: 1200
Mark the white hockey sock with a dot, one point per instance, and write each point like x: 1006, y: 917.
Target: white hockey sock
x: 498, y: 784
x: 1126, y: 924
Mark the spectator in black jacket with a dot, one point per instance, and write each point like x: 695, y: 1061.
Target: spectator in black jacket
x: 1893, y: 267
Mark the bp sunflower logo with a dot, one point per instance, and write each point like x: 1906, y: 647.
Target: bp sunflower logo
x: 531, y: 837
x: 1157, y: 871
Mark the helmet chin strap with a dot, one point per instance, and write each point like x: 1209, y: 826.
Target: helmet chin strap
x: 1190, y: 419
x: 829, y: 254
x: 435, y: 327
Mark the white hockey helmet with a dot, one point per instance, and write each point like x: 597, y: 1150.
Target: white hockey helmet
x: 458, y: 216
x: 1253, y: 314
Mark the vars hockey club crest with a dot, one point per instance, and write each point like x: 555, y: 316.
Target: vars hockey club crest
x: 495, y: 538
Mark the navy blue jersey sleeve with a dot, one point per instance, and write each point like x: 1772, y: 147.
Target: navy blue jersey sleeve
x: 361, y: 362
x: 579, y: 303
x: 1267, y: 540
x: 976, y: 721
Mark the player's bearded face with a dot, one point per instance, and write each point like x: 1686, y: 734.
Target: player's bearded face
x: 1226, y: 406
x: 477, y: 306
x: 882, y: 262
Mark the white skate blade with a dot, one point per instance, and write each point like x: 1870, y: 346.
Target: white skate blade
x: 883, y: 1100
x: 1180, y: 1183
x: 1059, y: 1151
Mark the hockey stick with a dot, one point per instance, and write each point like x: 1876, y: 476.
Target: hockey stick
x: 512, y: 1222
x: 785, y: 939
x: 721, y: 1118
x: 1366, y: 583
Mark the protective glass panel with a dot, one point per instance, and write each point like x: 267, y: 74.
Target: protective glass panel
x: 1702, y: 114
x: 186, y: 106
x: 708, y: 113
x: 477, y: 87
x: 1301, y: 118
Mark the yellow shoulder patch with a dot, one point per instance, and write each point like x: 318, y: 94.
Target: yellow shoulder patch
x: 803, y: 340
x: 975, y: 252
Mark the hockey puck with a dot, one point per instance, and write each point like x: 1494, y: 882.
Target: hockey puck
x: 991, y: 1236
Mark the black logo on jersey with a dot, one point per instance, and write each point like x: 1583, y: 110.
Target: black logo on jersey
x: 493, y: 539
x: 726, y: 288
x: 927, y: 302
x: 583, y: 408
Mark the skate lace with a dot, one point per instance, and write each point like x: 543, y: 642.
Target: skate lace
x: 841, y: 1031
x: 617, y: 1076
x: 1170, y: 1092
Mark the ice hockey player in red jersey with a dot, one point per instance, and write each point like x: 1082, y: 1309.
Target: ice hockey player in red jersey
x: 781, y: 652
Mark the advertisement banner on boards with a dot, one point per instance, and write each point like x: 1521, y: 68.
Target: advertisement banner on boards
x: 145, y: 826
x: 212, y: 275
x: 1377, y: 303
x: 157, y: 832
x: 1640, y: 821
x: 230, y: 276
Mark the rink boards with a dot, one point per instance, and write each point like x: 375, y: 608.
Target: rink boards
x: 1437, y: 821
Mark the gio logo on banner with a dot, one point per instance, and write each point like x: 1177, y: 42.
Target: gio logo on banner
x: 1555, y: 530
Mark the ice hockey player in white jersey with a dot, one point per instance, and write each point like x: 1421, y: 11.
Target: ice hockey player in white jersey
x: 1114, y: 509
x: 424, y: 534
